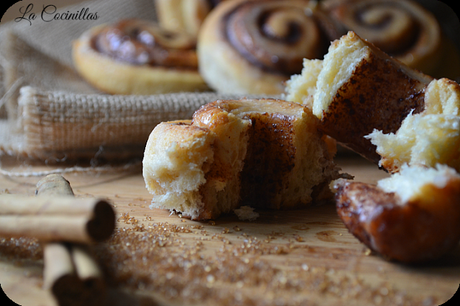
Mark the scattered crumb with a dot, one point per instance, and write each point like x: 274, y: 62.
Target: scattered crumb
x: 246, y: 213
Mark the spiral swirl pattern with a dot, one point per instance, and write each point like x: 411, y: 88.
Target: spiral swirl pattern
x: 277, y: 35
x: 184, y: 15
x: 141, y: 42
x: 400, y: 28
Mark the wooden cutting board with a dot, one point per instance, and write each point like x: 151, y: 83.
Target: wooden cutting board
x: 301, y: 257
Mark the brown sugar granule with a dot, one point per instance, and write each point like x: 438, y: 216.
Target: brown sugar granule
x: 207, y: 264
x: 22, y: 248
x: 236, y: 273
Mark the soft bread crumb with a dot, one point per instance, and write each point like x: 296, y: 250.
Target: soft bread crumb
x: 421, y: 140
x: 408, y: 184
x: 300, y: 88
x: 246, y: 213
x: 442, y: 97
x: 175, y: 167
x: 427, y: 138
x: 332, y: 75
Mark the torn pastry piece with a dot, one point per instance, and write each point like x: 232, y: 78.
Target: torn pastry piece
x: 262, y: 153
x: 412, y: 216
x: 426, y: 138
x: 421, y: 140
x: 177, y: 156
x: 413, y: 118
x: 138, y: 57
x: 358, y: 89
x: 253, y: 47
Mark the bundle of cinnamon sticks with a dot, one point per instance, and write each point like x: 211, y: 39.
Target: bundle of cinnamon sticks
x: 67, y: 226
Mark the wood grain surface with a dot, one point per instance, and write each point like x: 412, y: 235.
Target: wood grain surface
x: 301, y: 257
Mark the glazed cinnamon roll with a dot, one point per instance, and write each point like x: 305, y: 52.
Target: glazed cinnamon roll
x: 183, y: 15
x: 252, y: 47
x: 138, y: 57
x: 400, y: 28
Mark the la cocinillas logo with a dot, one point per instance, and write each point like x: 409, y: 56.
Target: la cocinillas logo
x: 50, y: 13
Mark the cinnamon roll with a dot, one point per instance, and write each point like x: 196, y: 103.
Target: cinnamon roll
x: 183, y: 15
x: 262, y: 153
x: 401, y: 28
x: 138, y: 57
x: 252, y: 47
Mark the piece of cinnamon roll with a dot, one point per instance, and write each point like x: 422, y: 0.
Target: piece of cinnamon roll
x: 252, y: 47
x: 410, y: 217
x: 263, y: 153
x: 138, y: 57
x: 403, y: 29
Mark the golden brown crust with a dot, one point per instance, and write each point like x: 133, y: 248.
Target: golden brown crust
x: 252, y: 47
x: 140, y: 73
x: 423, y: 229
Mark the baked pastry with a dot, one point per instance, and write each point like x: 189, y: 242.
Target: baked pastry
x: 252, y: 47
x: 262, y: 153
x: 138, y: 57
x: 403, y: 29
x: 183, y: 15
x: 426, y: 138
x: 412, y: 216
x: 358, y: 89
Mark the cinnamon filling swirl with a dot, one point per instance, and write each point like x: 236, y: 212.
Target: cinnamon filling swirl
x: 400, y: 28
x: 277, y: 35
x: 140, y: 42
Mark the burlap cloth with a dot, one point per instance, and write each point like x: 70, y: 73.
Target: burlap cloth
x: 49, y: 113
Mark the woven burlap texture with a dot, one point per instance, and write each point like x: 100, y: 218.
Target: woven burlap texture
x: 50, y: 113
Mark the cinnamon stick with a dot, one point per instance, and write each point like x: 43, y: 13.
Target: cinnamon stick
x: 70, y: 272
x: 72, y: 275
x: 56, y: 218
x: 55, y: 214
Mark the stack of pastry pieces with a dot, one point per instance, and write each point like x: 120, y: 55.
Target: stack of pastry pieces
x: 408, y: 124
